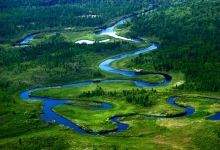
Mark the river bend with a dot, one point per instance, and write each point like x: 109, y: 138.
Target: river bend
x: 49, y: 103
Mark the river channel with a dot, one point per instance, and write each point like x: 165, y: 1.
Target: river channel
x: 48, y: 115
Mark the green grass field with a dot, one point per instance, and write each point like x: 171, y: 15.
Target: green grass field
x: 177, y: 133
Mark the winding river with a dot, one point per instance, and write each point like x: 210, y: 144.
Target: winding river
x: 49, y: 103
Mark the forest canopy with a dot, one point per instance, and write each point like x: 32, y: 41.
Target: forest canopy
x: 190, y: 41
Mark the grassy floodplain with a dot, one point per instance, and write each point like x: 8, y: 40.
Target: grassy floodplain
x: 174, y: 131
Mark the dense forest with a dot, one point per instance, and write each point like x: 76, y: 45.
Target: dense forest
x: 190, y: 41
x: 22, y: 17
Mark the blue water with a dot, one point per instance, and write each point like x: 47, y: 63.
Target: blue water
x: 110, y: 30
x: 27, y: 39
x: 49, y: 115
x: 49, y: 103
x: 215, y: 117
x: 105, y: 64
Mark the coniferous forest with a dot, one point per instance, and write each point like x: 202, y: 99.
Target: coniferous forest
x: 190, y: 41
x: 114, y: 111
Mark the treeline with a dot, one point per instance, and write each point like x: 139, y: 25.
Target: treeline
x: 99, y: 92
x: 27, y: 16
x: 190, y: 35
x: 140, y: 97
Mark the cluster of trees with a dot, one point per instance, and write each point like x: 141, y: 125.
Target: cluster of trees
x: 140, y: 97
x: 142, y: 61
x: 190, y: 36
x: 99, y: 92
x: 41, y: 16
